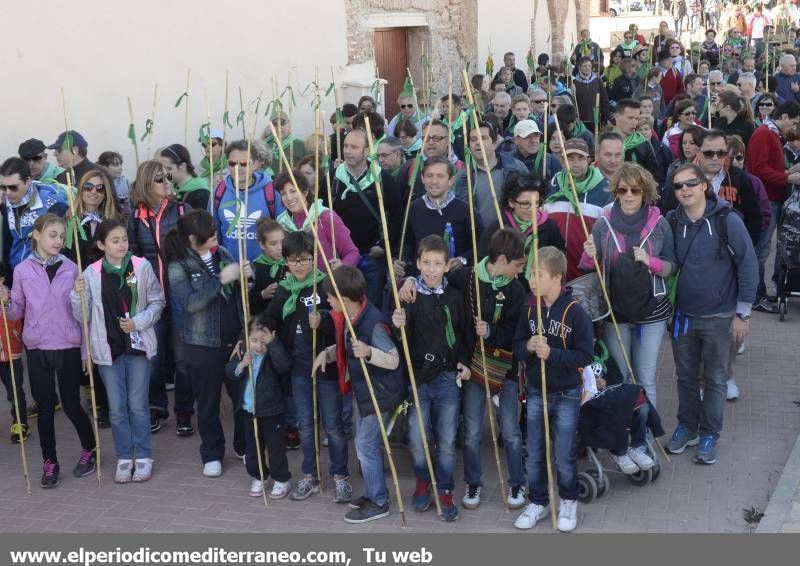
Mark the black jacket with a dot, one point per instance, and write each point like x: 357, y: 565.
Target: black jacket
x: 261, y: 280
x: 739, y: 127
x: 270, y: 383
x: 146, y: 230
x: 644, y: 155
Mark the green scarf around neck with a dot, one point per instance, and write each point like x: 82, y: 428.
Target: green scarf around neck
x: 314, y: 212
x: 343, y: 175
x: 496, y: 281
x: 193, y: 184
x: 522, y: 224
x: 291, y: 284
x: 415, y: 147
x: 274, y: 264
x: 593, y: 177
x: 131, y: 281
x: 219, y: 166
x: 632, y: 141
x: 579, y: 130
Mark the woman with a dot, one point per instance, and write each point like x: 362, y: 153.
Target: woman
x: 734, y: 116
x: 683, y: 117
x: 651, y: 87
x: 660, y: 40
x: 367, y: 104
x: 91, y: 208
x: 688, y: 148
x: 628, y: 44
x: 765, y: 107
x: 306, y: 169
x: 613, y: 70
x: 482, y: 96
x: 189, y: 188
x: 709, y: 49
x: 680, y: 62
x: 334, y: 240
x: 555, y: 145
x: 634, y: 245
x: 406, y: 131
x: 507, y: 76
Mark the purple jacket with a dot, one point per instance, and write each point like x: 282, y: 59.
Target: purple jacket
x: 763, y: 201
x: 45, y: 306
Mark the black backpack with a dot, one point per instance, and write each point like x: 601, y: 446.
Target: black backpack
x: 630, y: 286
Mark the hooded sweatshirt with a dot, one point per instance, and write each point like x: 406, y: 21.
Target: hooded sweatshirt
x: 194, y: 192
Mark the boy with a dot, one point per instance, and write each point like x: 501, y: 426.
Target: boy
x: 290, y: 314
x: 566, y: 347
x: 376, y: 348
x: 269, y: 268
x: 440, y: 350
x: 520, y: 110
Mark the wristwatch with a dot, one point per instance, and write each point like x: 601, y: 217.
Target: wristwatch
x: 743, y: 317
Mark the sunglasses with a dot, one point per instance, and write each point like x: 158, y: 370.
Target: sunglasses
x: 691, y: 183
x: 542, y: 101
x: 404, y: 106
x: 160, y: 179
x: 738, y: 157
x: 715, y: 83
x: 719, y: 153
x: 635, y: 191
x: 12, y: 188
x: 215, y: 143
x: 765, y: 105
x: 239, y: 163
x: 98, y: 188
x: 689, y: 113
x: 282, y: 123
x: 36, y: 158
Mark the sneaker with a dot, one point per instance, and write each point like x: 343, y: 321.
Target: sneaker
x: 765, y: 306
x: 183, y: 425
x: 33, y: 410
x: 567, y: 515
x: 516, y: 497
x: 124, y: 471
x: 144, y: 469
x: 280, y: 489
x: 238, y: 451
x: 741, y: 349
x: 212, y: 469
x: 531, y: 515
x: 369, y: 511
x: 422, y: 496
x: 102, y: 418
x: 449, y: 509
x: 641, y: 458
x: 325, y: 442
x: 50, y: 474
x: 170, y: 385
x: 86, y: 463
x: 625, y: 464
x: 472, y: 496
x: 19, y: 432
x: 304, y: 488
x: 732, y: 393
x: 344, y: 491
x: 681, y: 438
x: 155, y: 420
x: 292, y: 438
x: 706, y: 451
x: 256, y: 488
x: 358, y: 502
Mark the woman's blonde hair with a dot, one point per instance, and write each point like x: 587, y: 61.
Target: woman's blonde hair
x: 634, y: 175
x: 142, y: 189
x: 109, y: 207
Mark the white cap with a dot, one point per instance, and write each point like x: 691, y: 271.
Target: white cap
x: 524, y: 128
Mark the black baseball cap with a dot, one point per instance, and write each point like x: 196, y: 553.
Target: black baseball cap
x: 31, y: 148
x: 77, y: 140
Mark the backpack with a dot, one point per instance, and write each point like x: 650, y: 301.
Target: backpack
x: 269, y: 197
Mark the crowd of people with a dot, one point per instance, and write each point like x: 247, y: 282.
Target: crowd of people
x: 663, y: 176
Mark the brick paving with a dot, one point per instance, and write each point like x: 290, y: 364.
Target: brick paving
x: 760, y: 430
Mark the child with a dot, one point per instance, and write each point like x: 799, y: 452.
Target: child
x: 205, y: 293
x: 19, y: 430
x: 124, y: 300
x: 376, y: 348
x: 112, y: 161
x: 269, y: 361
x: 565, y: 346
x: 269, y: 268
x: 440, y: 344
x: 521, y: 110
x: 290, y: 314
x: 52, y: 338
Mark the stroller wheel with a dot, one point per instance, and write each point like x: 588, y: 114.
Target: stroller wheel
x: 655, y: 471
x: 587, y: 488
x: 783, y: 308
x: 603, y: 485
x: 641, y: 478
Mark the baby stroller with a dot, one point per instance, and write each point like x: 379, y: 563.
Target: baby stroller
x: 788, y: 252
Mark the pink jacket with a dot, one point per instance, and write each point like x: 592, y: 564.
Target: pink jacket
x: 346, y: 250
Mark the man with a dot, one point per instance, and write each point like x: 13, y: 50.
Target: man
x: 609, y: 154
x: 538, y: 105
x: 390, y: 156
x: 716, y: 255
x: 25, y: 200
x: 518, y: 75
x: 349, y: 112
x: 436, y: 144
x: 765, y: 160
x: 588, y: 48
x: 693, y: 86
x: 572, y: 127
x: 788, y: 80
x: 70, y: 152
x: 501, y: 107
x: 587, y: 86
x: 637, y: 148
x: 716, y: 84
x: 530, y: 151
x: 748, y: 66
x: 755, y: 28
x: 593, y: 195
x: 408, y: 110
x: 33, y: 153
x: 747, y: 86
x: 627, y: 83
x: 355, y: 200
x: 453, y: 115
x: 500, y: 168
x: 634, y: 29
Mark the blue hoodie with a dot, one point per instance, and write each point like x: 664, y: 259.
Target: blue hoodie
x: 256, y: 209
x: 714, y: 281
x: 42, y: 199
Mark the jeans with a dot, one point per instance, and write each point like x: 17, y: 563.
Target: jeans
x: 473, y: 407
x: 272, y: 438
x: 642, y: 344
x: 563, y: 408
x: 512, y: 436
x: 347, y: 413
x: 758, y: 43
x: 707, y: 340
x: 5, y: 376
x: 764, y: 248
x: 374, y: 270
x: 329, y: 401
x: 439, y: 401
x: 127, y: 383
x: 369, y: 448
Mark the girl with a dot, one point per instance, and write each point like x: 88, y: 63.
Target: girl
x: 406, y: 131
x: 189, y: 188
x: 124, y: 300
x: 683, y: 117
x: 204, y: 290
x: 112, y: 161
x: 734, y: 116
x: 52, y: 337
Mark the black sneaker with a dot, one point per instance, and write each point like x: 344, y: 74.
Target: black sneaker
x: 86, y: 463
x: 50, y: 475
x: 183, y: 425
x: 33, y: 410
x: 155, y: 420
x: 239, y: 452
x: 764, y: 305
x: 19, y: 432
x: 292, y: 438
x: 367, y: 512
x: 357, y: 503
x: 102, y: 418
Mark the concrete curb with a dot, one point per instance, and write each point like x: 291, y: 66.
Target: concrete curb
x: 783, y: 510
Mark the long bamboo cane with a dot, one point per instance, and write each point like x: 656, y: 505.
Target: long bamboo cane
x: 133, y: 139
x: 489, y: 404
x: 152, y: 122
x: 354, y: 336
x: 328, y: 187
x: 450, y: 113
x: 317, y: 246
x: 277, y: 108
x: 7, y: 346
x: 211, y: 160
x: 241, y: 111
x: 543, y: 366
x: 403, y: 336
x: 336, y: 125
x: 596, y: 121
x: 225, y: 114
x: 186, y: 110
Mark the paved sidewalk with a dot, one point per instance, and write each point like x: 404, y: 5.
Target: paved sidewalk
x: 760, y: 430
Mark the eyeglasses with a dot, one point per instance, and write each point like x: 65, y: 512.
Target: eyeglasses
x: 160, y: 179
x: 98, y: 188
x: 765, y: 104
x: 689, y: 113
x: 215, y: 143
x: 635, y: 191
x: 712, y: 83
x: 542, y: 101
x: 523, y: 204
x: 300, y: 261
x: 239, y: 163
x: 36, y: 158
x: 12, y: 188
x: 281, y: 122
x: 691, y: 183
x: 404, y: 106
x: 709, y: 153
x: 387, y: 155
x: 437, y: 139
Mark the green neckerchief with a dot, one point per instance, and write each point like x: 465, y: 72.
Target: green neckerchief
x: 219, y: 166
x: 193, y: 184
x: 582, y: 187
x: 521, y: 224
x: 274, y: 264
x: 628, y: 46
x: 291, y: 284
x: 415, y: 147
x: 285, y: 143
x: 343, y: 175
x: 602, y: 355
x: 579, y: 129
x: 131, y: 281
x: 633, y: 141
x: 513, y: 121
x: 449, y: 332
x: 496, y: 281
x: 50, y: 173
x: 537, y: 161
x: 585, y: 47
x: 314, y: 212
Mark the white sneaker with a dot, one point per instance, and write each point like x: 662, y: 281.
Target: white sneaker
x: 256, y: 487
x: 472, y: 497
x: 733, y: 390
x: 280, y: 489
x: 212, y: 469
x: 640, y: 456
x: 741, y: 349
x: 567, y: 515
x: 516, y: 497
x: 531, y: 515
x: 625, y: 464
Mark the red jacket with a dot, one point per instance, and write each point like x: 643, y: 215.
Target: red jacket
x: 671, y: 84
x: 765, y: 160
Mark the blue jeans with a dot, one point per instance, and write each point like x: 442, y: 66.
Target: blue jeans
x: 473, y: 407
x: 764, y: 248
x: 439, y: 401
x: 347, y: 413
x: 374, y: 270
x: 642, y: 344
x: 369, y: 448
x: 512, y: 436
x: 127, y: 383
x: 329, y: 401
x: 563, y: 408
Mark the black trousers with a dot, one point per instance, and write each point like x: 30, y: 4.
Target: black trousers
x: 272, y: 438
x: 5, y: 376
